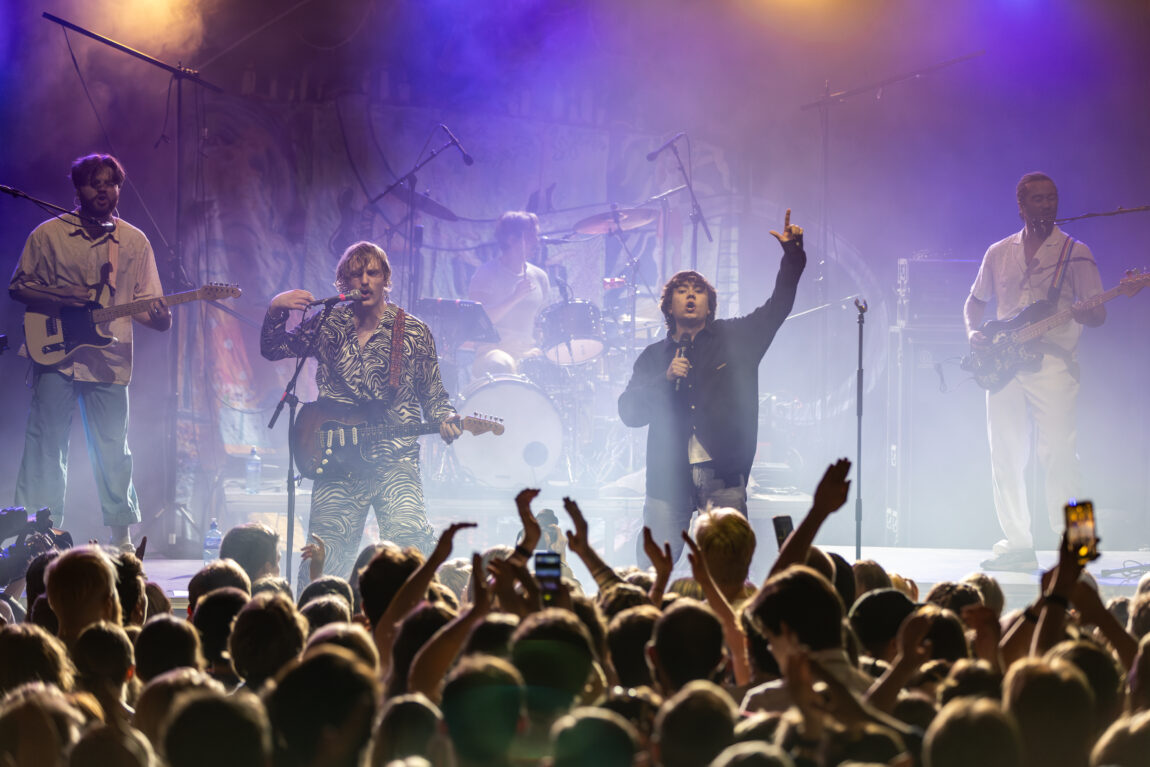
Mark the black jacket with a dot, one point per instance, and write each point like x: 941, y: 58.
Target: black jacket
x: 719, y: 398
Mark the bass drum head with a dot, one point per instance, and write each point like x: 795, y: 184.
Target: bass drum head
x: 532, y: 440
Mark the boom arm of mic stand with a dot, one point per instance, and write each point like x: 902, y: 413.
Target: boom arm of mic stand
x: 399, y: 181
x: 696, y: 208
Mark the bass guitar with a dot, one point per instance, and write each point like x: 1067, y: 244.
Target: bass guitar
x: 334, y: 440
x: 54, y: 337
x: 1013, y: 342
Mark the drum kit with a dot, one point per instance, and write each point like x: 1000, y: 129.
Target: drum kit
x: 559, y: 407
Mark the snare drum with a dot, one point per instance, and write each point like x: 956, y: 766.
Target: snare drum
x: 572, y: 332
x: 532, y: 441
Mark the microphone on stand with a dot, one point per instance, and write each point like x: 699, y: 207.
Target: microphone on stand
x: 666, y: 145
x: 467, y: 159
x: 351, y: 295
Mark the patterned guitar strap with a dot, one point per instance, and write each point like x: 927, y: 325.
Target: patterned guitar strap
x: 113, y: 264
x: 396, y: 349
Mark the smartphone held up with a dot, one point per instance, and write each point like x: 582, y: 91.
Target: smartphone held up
x: 548, y: 571
x: 1081, y: 535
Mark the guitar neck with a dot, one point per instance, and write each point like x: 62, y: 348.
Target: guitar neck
x: 372, y: 433
x: 135, y: 307
x: 1038, y: 329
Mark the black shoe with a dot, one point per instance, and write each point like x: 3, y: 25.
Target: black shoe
x: 1015, y: 560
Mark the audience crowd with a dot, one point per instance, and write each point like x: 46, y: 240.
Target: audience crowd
x: 468, y: 662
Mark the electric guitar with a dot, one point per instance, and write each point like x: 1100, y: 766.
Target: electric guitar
x: 335, y: 440
x: 54, y: 337
x: 1012, y: 341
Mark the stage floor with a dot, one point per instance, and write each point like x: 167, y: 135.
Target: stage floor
x: 614, y: 523
x: 925, y: 566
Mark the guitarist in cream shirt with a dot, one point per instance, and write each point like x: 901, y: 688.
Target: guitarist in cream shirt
x: 70, y: 261
x: 1015, y: 273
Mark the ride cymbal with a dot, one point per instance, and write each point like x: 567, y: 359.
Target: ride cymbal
x: 621, y: 220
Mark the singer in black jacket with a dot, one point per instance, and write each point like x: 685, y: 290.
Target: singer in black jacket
x: 698, y: 392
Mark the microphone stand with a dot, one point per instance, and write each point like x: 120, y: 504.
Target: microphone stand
x: 105, y: 225
x: 696, y: 212
x: 292, y: 401
x: 413, y: 291
x: 862, y: 307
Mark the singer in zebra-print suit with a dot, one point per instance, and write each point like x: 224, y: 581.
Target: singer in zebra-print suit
x: 353, y: 348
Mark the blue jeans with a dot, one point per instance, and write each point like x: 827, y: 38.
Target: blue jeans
x: 668, y: 519
x: 43, y: 473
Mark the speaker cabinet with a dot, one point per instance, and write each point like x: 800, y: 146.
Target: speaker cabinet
x: 937, y: 462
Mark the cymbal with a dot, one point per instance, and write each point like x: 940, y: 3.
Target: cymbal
x: 425, y: 204
x: 628, y: 218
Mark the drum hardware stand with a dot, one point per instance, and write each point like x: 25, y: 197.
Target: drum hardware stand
x: 630, y: 273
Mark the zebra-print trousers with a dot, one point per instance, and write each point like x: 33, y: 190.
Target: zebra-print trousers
x: 339, y: 512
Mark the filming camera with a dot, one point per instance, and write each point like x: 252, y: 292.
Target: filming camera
x: 32, y: 537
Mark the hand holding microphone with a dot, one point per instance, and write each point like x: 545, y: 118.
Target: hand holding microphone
x: 302, y: 300
x: 339, y: 298
x: 679, y: 366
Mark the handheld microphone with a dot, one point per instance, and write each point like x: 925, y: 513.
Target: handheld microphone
x: 351, y: 295
x: 666, y: 145
x: 467, y: 159
x: 680, y: 352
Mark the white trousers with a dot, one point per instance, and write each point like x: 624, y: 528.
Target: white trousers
x: 1047, y: 397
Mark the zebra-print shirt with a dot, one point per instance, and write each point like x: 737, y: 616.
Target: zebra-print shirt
x: 350, y: 375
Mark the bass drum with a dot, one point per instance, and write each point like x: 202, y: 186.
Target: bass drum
x: 532, y: 442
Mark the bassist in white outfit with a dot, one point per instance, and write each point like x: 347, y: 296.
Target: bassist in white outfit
x: 1039, y: 263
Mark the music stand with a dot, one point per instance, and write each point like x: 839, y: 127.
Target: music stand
x: 456, y: 321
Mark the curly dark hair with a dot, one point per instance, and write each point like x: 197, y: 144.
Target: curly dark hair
x: 682, y: 278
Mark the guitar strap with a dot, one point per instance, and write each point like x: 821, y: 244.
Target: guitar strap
x: 1060, y: 269
x: 396, y: 347
x: 108, y: 276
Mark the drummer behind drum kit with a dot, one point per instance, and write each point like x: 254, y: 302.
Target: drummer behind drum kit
x: 561, y: 405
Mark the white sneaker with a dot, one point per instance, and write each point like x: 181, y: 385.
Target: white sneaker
x: 1001, y: 547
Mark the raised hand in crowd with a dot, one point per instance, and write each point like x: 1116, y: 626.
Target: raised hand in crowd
x: 981, y: 620
x: 732, y: 631
x: 315, y: 552
x: 1092, y: 612
x: 1056, y: 599
x: 662, y: 561
x: 432, y: 662
x: 532, y: 531
x: 506, y: 573
x: 913, y: 650
x: 413, y: 590
x: 829, y: 497
x: 579, y: 542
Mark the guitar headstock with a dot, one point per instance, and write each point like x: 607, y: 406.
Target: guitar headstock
x: 214, y: 291
x: 481, y: 424
x: 1134, y: 281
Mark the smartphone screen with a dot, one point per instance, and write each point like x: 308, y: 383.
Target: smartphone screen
x: 783, y: 527
x: 1081, y: 535
x: 548, y: 571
